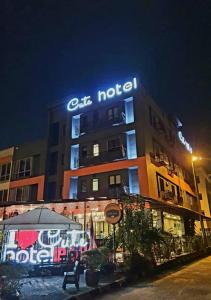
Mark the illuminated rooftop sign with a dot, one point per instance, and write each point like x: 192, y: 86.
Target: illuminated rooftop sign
x: 103, y: 95
x: 184, y: 142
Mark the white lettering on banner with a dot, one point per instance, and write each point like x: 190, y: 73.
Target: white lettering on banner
x: 76, y: 103
x: 184, y: 142
x: 48, y: 245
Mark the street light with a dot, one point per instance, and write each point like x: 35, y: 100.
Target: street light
x: 194, y: 159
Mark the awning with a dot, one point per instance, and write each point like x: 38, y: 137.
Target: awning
x: 175, y: 209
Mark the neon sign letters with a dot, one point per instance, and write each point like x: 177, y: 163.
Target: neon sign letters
x: 103, y: 95
x: 41, y: 246
x: 184, y: 142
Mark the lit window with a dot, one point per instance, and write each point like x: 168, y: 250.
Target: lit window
x: 114, y: 179
x: 95, y: 184
x: 96, y: 149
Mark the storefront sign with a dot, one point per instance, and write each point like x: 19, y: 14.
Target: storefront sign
x: 184, y: 142
x: 113, y: 213
x: 35, y: 246
x: 103, y: 95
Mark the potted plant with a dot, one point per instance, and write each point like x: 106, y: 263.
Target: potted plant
x: 93, y: 259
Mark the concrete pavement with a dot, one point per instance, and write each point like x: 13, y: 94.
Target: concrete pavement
x: 192, y: 282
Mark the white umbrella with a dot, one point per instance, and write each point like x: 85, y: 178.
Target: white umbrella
x: 40, y: 218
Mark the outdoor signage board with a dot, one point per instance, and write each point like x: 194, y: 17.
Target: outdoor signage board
x: 77, y: 103
x: 113, y: 213
x: 36, y: 246
x: 184, y: 142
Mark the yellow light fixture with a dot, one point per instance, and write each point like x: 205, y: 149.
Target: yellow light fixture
x: 195, y: 158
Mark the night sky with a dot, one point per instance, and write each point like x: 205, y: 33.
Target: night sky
x: 51, y: 49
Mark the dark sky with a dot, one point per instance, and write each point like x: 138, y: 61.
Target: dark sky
x: 50, y: 49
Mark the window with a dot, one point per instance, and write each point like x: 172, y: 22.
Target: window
x: 113, y: 114
x: 96, y: 150
x: 5, y: 172
x: 95, y: 118
x: 95, y: 184
x: 20, y: 194
x: 23, y: 168
x: 54, y: 134
x: 113, y: 144
x: 114, y: 179
x: 84, y: 123
x: 162, y: 188
x: 3, y: 195
x: 84, y: 151
x: 83, y: 186
x: 53, y: 163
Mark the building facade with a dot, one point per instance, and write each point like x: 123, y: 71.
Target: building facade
x: 101, y: 148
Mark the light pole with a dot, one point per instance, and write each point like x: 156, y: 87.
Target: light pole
x: 193, y: 159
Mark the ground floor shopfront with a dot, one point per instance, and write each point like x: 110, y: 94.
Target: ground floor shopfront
x: 170, y: 219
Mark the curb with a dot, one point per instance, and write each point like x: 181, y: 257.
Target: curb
x: 100, y: 290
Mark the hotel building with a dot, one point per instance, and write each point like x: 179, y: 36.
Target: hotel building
x: 102, y: 148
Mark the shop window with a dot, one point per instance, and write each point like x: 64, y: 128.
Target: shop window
x: 83, y: 186
x: 95, y: 184
x: 96, y: 150
x: 113, y: 114
x: 54, y: 134
x: 114, y: 180
x: 5, y: 172
x: 3, y: 195
x: 23, y: 168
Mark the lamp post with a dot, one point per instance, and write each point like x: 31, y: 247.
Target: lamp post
x: 195, y: 158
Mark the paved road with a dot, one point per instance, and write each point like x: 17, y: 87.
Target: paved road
x: 192, y: 282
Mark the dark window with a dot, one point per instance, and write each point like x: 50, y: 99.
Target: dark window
x: 62, y: 159
x: 5, y: 172
x: 3, y: 195
x: 33, y: 192
x: 162, y: 188
x: 64, y: 130
x: 52, y: 190
x: 83, y: 186
x: 23, y: 168
x: 84, y: 151
x: 114, y: 180
x: 36, y: 165
x: 197, y: 179
x: 113, y: 114
x: 53, y: 163
x: 113, y: 144
x: 54, y: 134
x: 84, y: 123
x: 95, y: 118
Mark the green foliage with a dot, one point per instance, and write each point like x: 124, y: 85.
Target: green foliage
x: 95, y: 258
x: 136, y: 232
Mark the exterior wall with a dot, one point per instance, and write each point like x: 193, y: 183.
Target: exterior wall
x: 203, y: 188
x: 6, y: 157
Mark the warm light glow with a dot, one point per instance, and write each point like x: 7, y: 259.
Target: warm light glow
x: 195, y: 158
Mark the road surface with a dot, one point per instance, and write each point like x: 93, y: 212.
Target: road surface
x: 192, y: 282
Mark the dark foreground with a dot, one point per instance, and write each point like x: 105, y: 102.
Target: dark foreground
x: 192, y: 282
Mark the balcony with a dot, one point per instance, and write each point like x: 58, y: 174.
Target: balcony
x: 104, y: 157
